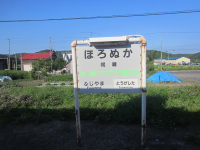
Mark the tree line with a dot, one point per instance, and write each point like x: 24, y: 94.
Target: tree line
x: 154, y: 54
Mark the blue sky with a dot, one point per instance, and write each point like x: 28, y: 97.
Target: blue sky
x: 181, y: 31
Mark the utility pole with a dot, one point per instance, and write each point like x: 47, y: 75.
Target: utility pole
x: 38, y: 69
x: 21, y: 61
x: 15, y: 63
x: 50, y: 54
x: 9, y: 53
x: 168, y: 54
x: 161, y: 49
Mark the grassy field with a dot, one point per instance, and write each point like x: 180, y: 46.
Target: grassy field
x: 166, y: 106
x: 61, y: 77
x: 176, y: 67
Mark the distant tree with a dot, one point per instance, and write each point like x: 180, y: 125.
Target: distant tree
x: 59, y: 53
x: 58, y: 63
x: 45, y: 51
x: 147, y: 59
x: 39, y: 64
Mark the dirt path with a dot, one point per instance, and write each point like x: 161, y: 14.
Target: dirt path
x: 189, y: 75
x: 57, y: 135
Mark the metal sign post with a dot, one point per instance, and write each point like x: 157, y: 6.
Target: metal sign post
x: 110, y: 65
x: 143, y: 88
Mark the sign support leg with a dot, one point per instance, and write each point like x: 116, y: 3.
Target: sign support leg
x: 143, y: 120
x: 77, y: 111
x: 143, y: 109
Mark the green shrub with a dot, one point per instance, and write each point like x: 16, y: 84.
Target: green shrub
x: 150, y: 66
x: 43, y: 72
x: 15, y: 74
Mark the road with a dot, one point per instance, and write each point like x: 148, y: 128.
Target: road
x: 190, y: 75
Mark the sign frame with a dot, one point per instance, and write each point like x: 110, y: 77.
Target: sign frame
x: 112, y: 41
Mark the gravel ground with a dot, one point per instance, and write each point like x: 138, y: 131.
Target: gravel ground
x: 57, y: 135
x: 189, y: 75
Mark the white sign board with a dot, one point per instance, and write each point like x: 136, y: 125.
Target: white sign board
x: 111, y: 69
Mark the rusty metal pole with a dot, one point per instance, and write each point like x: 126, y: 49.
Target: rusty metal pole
x: 75, y: 79
x: 143, y: 110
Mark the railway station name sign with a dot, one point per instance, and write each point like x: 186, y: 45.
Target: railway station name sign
x: 109, y: 69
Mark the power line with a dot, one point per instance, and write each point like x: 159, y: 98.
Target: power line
x: 183, y: 45
x: 182, y: 32
x: 113, y: 16
x: 36, y: 38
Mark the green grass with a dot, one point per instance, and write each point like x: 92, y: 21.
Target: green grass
x: 150, y: 73
x: 9, y: 84
x: 166, y: 107
x: 176, y: 67
x: 65, y: 77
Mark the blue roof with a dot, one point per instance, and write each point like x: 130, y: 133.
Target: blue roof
x: 162, y: 77
x: 174, y: 58
x: 160, y: 59
x: 171, y: 58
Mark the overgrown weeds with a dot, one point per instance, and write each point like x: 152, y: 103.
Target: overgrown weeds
x: 176, y: 67
x: 166, y: 107
x: 65, y: 77
x: 193, y: 138
x: 9, y: 84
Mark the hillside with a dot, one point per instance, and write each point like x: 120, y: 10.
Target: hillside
x: 151, y: 54
x: 154, y: 54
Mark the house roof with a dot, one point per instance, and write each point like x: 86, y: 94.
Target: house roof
x: 171, y: 58
x: 36, y: 55
x: 174, y: 58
